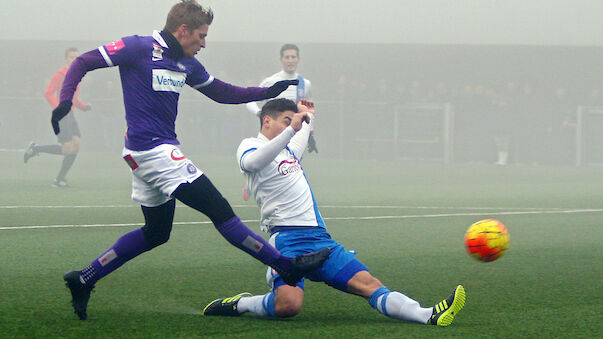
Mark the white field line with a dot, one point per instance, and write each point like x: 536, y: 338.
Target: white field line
x: 7, y: 207
x: 419, y: 216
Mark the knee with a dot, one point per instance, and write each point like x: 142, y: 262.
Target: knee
x: 374, y: 284
x: 70, y: 148
x: 363, y: 284
x: 287, y: 307
x: 155, y: 237
x: 75, y: 145
x: 66, y: 148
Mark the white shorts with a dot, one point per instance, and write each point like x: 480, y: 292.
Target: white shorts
x: 157, y: 173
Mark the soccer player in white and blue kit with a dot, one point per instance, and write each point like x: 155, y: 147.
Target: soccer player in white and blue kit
x: 271, y: 163
x: 153, y: 71
x: 303, y: 90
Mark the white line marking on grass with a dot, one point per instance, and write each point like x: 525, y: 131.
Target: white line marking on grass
x: 321, y: 206
x: 443, y: 207
x: 467, y: 214
x: 327, y: 218
x: 66, y: 206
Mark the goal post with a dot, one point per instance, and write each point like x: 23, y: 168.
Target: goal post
x: 589, y: 135
x: 424, y: 131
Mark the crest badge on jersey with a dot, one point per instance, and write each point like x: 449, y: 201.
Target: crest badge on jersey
x: 157, y: 52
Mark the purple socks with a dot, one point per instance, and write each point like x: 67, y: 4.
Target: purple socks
x: 239, y: 235
x: 134, y: 243
x: 127, y: 247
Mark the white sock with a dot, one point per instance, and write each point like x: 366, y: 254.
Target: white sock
x: 253, y: 304
x: 399, y: 306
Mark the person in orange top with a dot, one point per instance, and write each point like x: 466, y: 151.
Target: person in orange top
x: 69, y: 137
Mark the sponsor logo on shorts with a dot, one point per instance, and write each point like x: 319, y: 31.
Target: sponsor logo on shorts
x: 130, y: 161
x: 176, y: 155
x: 191, y: 168
x: 168, y: 81
x: 288, y: 167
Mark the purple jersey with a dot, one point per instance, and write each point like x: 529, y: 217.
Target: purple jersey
x: 151, y: 82
x: 153, y: 73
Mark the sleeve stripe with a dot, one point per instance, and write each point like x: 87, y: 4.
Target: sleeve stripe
x: 102, y: 51
x: 209, y: 81
x: 242, y: 155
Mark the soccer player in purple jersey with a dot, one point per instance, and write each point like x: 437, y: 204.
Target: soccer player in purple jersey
x: 153, y: 70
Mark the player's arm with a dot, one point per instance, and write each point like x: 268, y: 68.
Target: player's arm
x: 255, y: 159
x: 253, y: 106
x: 226, y: 93
x: 299, y: 142
x: 308, y: 94
x: 83, y: 64
x: 52, y: 88
x: 78, y: 103
x: 119, y: 52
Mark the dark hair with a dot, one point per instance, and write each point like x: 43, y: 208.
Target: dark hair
x: 69, y: 50
x: 287, y: 47
x: 190, y: 13
x: 275, y: 107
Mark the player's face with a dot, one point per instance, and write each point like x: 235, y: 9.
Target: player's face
x: 290, y: 60
x: 276, y: 126
x: 192, y: 42
x: 70, y: 57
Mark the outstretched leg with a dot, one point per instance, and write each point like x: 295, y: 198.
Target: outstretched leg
x: 156, y: 231
x: 34, y: 149
x: 203, y: 196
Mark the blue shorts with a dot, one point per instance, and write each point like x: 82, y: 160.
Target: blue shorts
x: 336, y: 271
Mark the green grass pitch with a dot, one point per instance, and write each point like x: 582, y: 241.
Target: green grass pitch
x: 405, y: 220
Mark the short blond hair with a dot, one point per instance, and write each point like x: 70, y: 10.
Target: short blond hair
x: 190, y: 13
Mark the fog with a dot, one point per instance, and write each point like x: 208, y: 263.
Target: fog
x: 425, y: 80
x: 540, y: 22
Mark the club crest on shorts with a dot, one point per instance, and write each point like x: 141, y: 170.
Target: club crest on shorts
x: 191, y: 168
x: 176, y: 155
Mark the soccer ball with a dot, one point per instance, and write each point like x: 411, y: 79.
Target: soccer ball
x: 487, y: 240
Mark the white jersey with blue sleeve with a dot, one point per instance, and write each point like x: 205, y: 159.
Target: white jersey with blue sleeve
x: 276, y: 179
x: 295, y: 93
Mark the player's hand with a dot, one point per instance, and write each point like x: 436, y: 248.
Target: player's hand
x: 309, y: 105
x: 280, y: 86
x: 298, y: 119
x: 59, y: 113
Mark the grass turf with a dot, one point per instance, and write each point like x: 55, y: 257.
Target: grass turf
x: 546, y: 285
